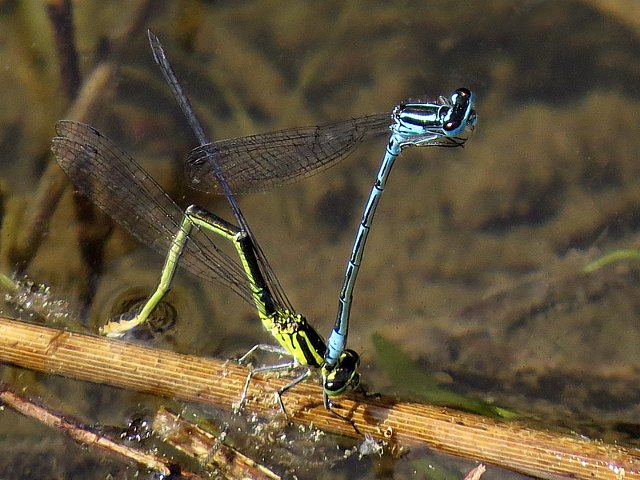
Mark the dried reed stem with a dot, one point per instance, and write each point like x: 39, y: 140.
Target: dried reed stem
x: 401, y: 424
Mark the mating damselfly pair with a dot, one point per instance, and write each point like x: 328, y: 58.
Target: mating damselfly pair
x: 118, y: 185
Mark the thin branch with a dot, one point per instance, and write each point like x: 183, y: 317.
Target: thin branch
x: 402, y: 424
x: 84, y: 435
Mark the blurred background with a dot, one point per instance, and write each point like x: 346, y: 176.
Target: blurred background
x: 474, y: 270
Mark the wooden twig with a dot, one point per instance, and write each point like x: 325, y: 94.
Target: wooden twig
x: 401, y: 424
x: 84, y: 435
x: 204, y: 447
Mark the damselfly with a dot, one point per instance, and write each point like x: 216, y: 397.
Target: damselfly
x: 127, y: 193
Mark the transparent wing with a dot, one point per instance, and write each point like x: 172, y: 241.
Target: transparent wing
x: 261, y: 162
x: 120, y: 187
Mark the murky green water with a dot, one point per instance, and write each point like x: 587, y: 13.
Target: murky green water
x: 474, y: 265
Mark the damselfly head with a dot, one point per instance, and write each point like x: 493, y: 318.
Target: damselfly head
x: 461, y: 116
x: 447, y: 122
x: 343, y: 375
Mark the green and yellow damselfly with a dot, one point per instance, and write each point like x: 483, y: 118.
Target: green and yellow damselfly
x: 118, y: 185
